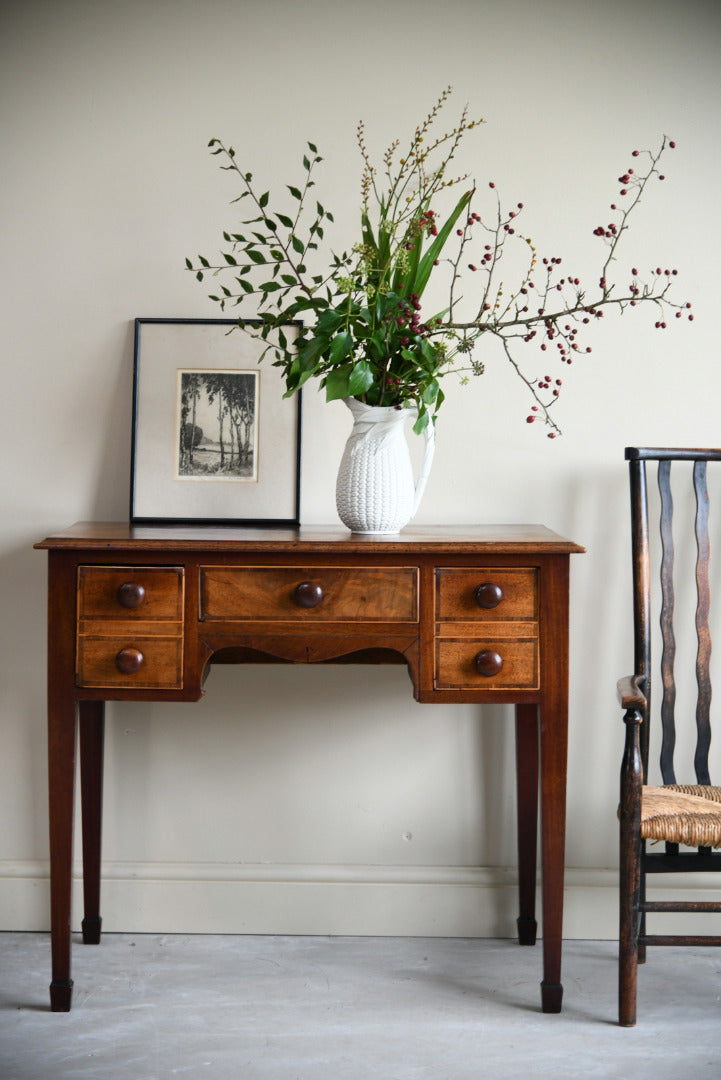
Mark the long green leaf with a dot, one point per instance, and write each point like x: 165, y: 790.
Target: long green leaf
x: 428, y: 261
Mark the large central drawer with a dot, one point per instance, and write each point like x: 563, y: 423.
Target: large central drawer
x: 325, y: 594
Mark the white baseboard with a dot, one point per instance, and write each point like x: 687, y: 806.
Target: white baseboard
x: 312, y: 899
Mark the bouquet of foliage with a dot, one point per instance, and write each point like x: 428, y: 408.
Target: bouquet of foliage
x: 363, y: 332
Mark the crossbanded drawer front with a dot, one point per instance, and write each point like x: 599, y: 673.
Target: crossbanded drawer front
x: 486, y: 593
x: 315, y: 594
x: 132, y: 661
x: 134, y: 593
x: 492, y: 663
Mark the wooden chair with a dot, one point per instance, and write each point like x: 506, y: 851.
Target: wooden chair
x: 680, y: 816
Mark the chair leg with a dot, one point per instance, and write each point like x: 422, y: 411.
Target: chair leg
x: 628, y: 947
x: 642, y: 897
x: 629, y: 872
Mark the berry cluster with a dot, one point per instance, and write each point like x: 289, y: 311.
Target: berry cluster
x: 410, y: 319
x: 427, y: 223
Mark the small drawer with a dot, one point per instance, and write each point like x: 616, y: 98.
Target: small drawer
x: 133, y: 662
x: 315, y: 594
x: 486, y: 594
x: 130, y: 592
x: 500, y: 664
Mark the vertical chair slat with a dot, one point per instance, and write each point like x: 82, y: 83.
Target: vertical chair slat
x: 641, y: 591
x: 703, y: 657
x: 668, y: 656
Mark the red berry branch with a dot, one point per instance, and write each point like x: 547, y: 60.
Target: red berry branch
x: 549, y: 307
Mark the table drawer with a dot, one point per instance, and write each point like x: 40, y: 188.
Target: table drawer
x: 492, y: 663
x: 315, y: 594
x: 486, y: 594
x: 130, y: 592
x: 137, y: 662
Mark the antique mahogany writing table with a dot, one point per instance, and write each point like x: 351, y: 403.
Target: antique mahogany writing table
x: 478, y: 614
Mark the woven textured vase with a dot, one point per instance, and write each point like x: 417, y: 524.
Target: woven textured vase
x: 376, y: 491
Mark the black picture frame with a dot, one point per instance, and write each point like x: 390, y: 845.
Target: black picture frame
x: 214, y: 440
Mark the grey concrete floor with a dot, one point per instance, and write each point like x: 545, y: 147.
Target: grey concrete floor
x: 153, y: 1007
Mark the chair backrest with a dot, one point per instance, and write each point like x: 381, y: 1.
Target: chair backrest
x: 644, y: 589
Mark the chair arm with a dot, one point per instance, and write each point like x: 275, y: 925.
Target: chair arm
x: 633, y: 700
x: 630, y: 692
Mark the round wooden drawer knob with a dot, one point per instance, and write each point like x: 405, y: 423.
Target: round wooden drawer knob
x: 488, y: 594
x: 129, y: 660
x: 308, y: 594
x: 488, y: 662
x: 131, y: 595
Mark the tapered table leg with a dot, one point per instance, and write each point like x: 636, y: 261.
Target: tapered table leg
x: 61, y: 766
x: 92, y: 736
x: 554, y: 644
x: 552, y: 841
x: 553, y: 835
x: 554, y: 743
x: 527, y: 803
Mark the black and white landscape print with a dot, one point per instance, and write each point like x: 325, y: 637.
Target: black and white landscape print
x: 217, y: 436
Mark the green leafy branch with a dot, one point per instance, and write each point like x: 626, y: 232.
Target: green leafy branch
x: 363, y: 332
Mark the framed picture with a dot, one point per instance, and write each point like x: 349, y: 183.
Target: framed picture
x: 214, y: 440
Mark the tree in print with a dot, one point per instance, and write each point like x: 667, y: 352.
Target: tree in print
x: 190, y: 433
x: 217, y: 424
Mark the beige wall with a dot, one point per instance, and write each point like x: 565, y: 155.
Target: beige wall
x: 329, y: 800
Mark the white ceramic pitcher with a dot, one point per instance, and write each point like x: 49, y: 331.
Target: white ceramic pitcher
x: 376, y: 491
